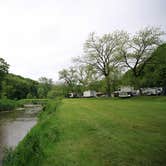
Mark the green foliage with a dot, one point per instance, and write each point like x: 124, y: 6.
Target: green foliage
x: 70, y: 78
x: 17, y: 87
x: 32, y: 101
x: 101, y: 54
x: 29, y: 96
x: 53, y: 94
x: 44, y: 87
x: 7, y: 105
x: 29, y: 149
x: 4, y: 66
x: 154, y: 72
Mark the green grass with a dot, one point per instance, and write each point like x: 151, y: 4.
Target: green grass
x: 97, y: 132
x: 7, y: 104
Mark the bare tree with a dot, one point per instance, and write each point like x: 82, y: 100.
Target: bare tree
x: 135, y: 52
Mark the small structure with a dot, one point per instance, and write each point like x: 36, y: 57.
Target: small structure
x: 89, y: 93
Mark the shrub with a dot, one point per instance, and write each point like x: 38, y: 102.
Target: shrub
x: 7, y: 105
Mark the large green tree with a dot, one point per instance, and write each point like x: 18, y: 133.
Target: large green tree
x: 86, y: 76
x: 45, y: 85
x: 70, y: 79
x: 136, y: 51
x: 154, y: 73
x: 101, y: 53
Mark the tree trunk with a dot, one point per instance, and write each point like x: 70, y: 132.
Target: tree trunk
x: 108, y: 86
x: 137, y: 84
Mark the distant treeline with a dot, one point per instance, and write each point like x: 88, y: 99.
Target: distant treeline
x: 109, y: 62
x: 79, y: 79
x: 119, y: 58
x: 17, y: 87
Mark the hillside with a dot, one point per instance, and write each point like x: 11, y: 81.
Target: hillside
x: 18, y: 87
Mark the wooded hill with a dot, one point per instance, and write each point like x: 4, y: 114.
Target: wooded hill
x: 17, y: 87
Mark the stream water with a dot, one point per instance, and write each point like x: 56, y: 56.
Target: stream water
x: 14, y: 125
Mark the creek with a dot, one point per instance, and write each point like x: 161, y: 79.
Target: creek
x: 14, y: 125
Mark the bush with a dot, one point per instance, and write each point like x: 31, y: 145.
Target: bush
x: 32, y: 101
x: 7, y: 105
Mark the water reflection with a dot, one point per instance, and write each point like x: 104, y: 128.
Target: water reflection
x: 15, y: 125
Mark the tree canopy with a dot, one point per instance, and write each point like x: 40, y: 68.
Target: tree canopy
x: 136, y: 51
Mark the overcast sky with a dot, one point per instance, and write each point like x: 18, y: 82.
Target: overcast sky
x: 39, y: 37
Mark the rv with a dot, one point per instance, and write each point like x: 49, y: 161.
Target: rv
x: 152, y: 91
x: 89, y: 93
x: 127, y: 91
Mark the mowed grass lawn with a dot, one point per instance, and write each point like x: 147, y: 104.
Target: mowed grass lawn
x: 109, y: 132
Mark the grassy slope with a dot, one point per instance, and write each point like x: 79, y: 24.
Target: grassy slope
x: 100, y: 132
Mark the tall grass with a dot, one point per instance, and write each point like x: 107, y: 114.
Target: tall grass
x: 31, y: 149
x: 32, y: 101
x: 7, y: 105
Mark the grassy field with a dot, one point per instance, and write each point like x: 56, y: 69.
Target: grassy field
x: 97, y: 132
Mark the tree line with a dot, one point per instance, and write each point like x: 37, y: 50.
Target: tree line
x: 16, y: 87
x: 107, y: 59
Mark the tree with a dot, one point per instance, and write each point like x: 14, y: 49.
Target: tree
x: 70, y: 78
x: 4, y: 66
x: 100, y: 53
x: 44, y: 87
x: 17, y: 87
x: 136, y: 52
x: 154, y: 73
x: 86, y: 75
x: 56, y: 91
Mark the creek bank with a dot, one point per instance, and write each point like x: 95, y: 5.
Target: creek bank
x: 14, y: 125
x: 31, y: 149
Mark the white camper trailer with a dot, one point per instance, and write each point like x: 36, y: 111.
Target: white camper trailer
x: 89, y: 93
x: 152, y: 91
x: 127, y: 91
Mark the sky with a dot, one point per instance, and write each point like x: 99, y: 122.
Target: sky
x: 40, y: 37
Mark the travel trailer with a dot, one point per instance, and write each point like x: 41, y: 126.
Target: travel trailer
x: 152, y: 91
x: 89, y: 93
